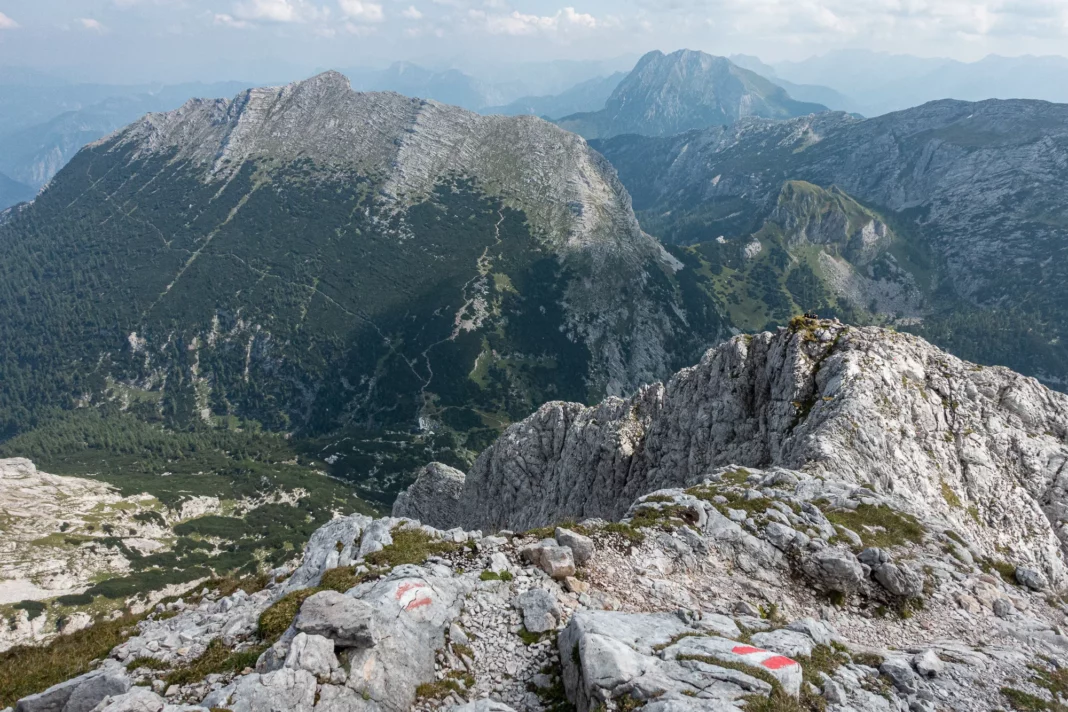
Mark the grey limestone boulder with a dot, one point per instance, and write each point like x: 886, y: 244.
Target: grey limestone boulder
x: 582, y: 547
x: 899, y: 580
x: 1034, y: 580
x: 540, y: 610
x: 834, y: 570
x: 346, y: 621
x: 413, y: 608
x: 284, y: 690
x: 80, y: 694
x: 314, y: 654
x: 334, y: 544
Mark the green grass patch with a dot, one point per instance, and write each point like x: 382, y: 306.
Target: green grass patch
x: 146, y: 662
x: 410, y: 546
x: 216, y: 659
x: 1025, y: 702
x: 25, y: 670
x: 878, y: 525
x: 276, y: 620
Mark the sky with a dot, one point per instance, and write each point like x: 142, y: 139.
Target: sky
x: 265, y: 40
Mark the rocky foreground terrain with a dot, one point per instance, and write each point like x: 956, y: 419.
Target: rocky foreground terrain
x: 819, y: 575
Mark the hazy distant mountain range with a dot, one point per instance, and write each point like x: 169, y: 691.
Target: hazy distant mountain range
x: 877, y: 83
x: 589, y: 95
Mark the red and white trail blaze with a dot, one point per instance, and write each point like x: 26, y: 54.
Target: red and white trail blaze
x: 413, y: 595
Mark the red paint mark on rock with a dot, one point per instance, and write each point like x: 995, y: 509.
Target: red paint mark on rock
x: 778, y: 662
x: 418, y: 603
x: 746, y: 650
x: 406, y: 587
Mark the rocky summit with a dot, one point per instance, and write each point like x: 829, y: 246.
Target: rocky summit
x: 669, y: 94
x: 826, y: 518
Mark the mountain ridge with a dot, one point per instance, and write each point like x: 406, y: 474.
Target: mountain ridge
x: 866, y: 406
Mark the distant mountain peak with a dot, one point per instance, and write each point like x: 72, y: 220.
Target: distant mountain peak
x: 667, y: 94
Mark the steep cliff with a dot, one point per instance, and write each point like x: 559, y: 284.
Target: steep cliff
x: 983, y: 448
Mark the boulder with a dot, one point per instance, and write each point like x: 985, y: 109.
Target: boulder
x: 834, y: 570
x: 900, y: 673
x: 608, y: 655
x: 484, y: 705
x: 138, y: 699
x: 1031, y: 579
x: 413, y: 608
x: 312, y: 653
x: 376, y: 537
x: 284, y: 690
x: 928, y: 664
x: 785, y: 642
x: 540, y: 610
x: 899, y: 580
x: 822, y: 633
x: 322, y: 550
x: 343, y: 619
x: 557, y: 561
x: 80, y: 694
x: 582, y: 547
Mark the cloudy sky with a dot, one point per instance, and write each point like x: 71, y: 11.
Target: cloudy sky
x: 265, y: 40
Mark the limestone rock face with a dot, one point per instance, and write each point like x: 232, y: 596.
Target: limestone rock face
x: 983, y: 448
x: 433, y: 498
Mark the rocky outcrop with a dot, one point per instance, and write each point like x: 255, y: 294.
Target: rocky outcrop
x: 704, y: 597
x: 434, y: 497
x: 984, y: 448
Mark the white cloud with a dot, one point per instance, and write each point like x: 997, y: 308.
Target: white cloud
x: 361, y: 10
x: 519, y: 24
x: 6, y: 23
x: 229, y: 21
x: 281, y: 11
x: 412, y: 13
x: 91, y: 24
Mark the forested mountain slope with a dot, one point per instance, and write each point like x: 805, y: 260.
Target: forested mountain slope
x: 311, y: 258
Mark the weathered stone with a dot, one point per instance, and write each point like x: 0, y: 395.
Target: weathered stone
x: 785, y: 642
x: 1031, y: 578
x: 345, y: 620
x: 900, y: 673
x: 540, y: 610
x: 80, y: 694
x: 138, y: 699
x: 284, y: 690
x: 313, y: 653
x: 834, y: 570
x: 582, y: 547
x: 928, y: 664
x: 434, y: 497
x: 899, y: 580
